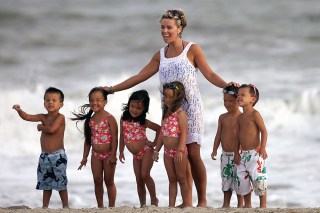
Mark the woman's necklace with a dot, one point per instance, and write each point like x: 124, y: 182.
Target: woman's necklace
x: 165, y: 54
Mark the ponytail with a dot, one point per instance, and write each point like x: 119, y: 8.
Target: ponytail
x: 83, y: 115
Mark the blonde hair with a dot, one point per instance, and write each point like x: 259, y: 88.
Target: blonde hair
x: 178, y: 15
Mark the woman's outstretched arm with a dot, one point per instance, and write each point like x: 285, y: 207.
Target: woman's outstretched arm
x: 147, y: 72
x: 201, y: 62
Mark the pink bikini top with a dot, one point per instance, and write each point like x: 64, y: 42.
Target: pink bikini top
x: 100, y: 133
x: 133, y: 132
x: 170, y: 125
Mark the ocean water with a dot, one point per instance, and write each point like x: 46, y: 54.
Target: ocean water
x: 76, y: 45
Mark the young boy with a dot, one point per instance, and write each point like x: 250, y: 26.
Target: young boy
x: 226, y: 134
x: 252, y: 137
x: 51, y: 172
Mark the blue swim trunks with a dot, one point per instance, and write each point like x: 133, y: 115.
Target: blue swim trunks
x: 51, y: 171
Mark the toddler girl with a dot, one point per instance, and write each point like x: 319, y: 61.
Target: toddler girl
x: 174, y: 137
x: 133, y: 125
x: 101, y: 133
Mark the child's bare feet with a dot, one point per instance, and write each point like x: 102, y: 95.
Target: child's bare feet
x: 155, y: 201
x: 202, y: 204
x: 182, y: 205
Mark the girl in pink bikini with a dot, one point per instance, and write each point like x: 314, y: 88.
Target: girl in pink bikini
x: 133, y: 125
x: 101, y: 133
x: 173, y: 136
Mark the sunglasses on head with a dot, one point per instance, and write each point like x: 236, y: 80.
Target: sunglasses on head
x: 170, y: 86
x: 229, y: 92
x: 174, y: 13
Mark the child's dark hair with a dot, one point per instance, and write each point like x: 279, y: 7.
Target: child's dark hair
x: 54, y: 90
x: 179, y: 97
x: 254, y: 92
x: 84, y: 114
x: 231, y: 90
x: 140, y: 95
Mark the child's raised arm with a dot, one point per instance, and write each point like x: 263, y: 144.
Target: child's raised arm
x: 217, y: 140
x: 27, y: 117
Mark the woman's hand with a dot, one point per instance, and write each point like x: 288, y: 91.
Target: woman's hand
x: 108, y: 89
x: 236, y: 84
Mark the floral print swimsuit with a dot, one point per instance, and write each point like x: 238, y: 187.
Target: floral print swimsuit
x: 134, y: 132
x: 170, y: 128
x: 100, y: 134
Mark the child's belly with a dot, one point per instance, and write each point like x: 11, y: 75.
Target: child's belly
x: 135, y: 147
x: 102, y: 148
x: 171, y: 142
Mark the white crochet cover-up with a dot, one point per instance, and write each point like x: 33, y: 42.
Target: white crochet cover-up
x: 180, y: 69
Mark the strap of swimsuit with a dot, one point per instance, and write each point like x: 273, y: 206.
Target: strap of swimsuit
x: 165, y: 54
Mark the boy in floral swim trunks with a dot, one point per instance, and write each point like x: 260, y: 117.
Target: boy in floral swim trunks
x: 252, y: 137
x: 52, y: 165
x: 226, y: 135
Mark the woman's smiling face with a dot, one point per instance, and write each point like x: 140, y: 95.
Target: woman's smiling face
x: 169, y: 30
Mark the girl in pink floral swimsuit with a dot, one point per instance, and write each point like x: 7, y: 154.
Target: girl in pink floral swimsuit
x: 133, y: 125
x: 174, y: 136
x: 170, y: 128
x: 101, y: 133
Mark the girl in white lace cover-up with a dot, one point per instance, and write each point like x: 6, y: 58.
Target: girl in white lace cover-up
x: 180, y: 60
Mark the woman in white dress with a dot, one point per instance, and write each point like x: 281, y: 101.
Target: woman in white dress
x: 180, y: 61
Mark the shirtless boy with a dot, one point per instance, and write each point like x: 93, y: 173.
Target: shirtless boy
x: 226, y: 135
x: 252, y: 137
x: 51, y: 172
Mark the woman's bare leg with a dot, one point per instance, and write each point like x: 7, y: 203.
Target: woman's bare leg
x: 199, y: 173
x: 181, y: 174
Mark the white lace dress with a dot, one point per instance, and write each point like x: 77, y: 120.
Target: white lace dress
x: 180, y: 69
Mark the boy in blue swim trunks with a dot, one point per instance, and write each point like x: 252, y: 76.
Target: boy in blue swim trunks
x: 252, y: 137
x: 51, y: 172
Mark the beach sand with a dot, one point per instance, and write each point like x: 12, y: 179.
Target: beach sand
x: 147, y: 209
